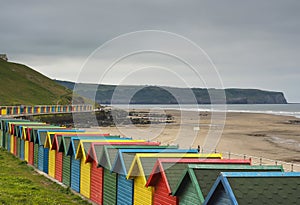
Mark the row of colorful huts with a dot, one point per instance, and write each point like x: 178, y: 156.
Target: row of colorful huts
x: 40, y: 109
x: 111, y: 170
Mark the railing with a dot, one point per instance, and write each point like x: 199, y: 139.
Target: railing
x: 288, y: 166
x: 43, y: 109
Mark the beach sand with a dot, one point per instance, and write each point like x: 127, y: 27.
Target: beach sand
x: 262, y: 135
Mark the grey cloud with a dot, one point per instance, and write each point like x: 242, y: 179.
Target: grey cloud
x: 253, y: 43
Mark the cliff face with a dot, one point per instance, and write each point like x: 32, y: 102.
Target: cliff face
x: 254, y: 96
x: 170, y: 95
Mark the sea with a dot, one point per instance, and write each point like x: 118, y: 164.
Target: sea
x: 275, y: 109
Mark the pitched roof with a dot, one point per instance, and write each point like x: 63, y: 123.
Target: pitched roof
x: 14, y: 129
x: 109, y: 154
x: 203, y: 176
x: 256, y: 188
x: 126, y: 155
x: 42, y: 133
x: 74, y: 142
x: 64, y: 144
x: 85, y: 144
x: 83, y: 133
x: 96, y: 151
x: 5, y: 123
x: 64, y: 139
x: 50, y: 134
x: 26, y: 133
x: 172, y: 169
x: 123, y: 162
x: 142, y: 164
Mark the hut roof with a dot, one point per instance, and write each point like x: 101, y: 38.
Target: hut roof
x: 256, y: 188
x: 142, y: 164
x: 203, y: 176
x: 172, y: 169
x: 85, y: 145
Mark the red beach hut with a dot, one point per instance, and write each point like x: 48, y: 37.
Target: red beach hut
x: 166, y: 173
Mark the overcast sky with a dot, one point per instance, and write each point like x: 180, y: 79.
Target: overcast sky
x: 253, y: 44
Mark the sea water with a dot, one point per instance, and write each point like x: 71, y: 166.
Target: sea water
x: 276, y: 109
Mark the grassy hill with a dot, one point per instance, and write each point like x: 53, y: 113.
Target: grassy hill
x: 20, y: 84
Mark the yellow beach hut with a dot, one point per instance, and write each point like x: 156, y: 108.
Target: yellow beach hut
x: 141, y: 168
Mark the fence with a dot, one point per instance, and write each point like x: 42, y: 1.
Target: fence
x: 288, y: 166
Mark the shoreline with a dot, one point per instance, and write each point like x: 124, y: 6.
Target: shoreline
x: 235, y: 108
x: 263, y: 135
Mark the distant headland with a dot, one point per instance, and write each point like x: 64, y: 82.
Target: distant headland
x: 162, y: 95
x: 25, y: 86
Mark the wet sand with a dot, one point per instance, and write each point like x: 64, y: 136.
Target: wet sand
x: 262, y: 135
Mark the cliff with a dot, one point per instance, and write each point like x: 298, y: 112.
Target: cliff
x: 162, y: 95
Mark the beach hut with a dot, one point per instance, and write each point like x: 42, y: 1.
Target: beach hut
x: 15, y: 141
x: 110, y: 183
x: 197, y: 180
x: 67, y: 147
x: 166, y: 173
x: 102, y: 180
x: 52, y: 152
x: 43, y: 152
x: 37, y: 140
x: 59, y: 148
x: 28, y: 144
x: 76, y: 163
x: 66, y: 160
x: 2, y: 131
x: 23, y: 144
x: 141, y: 168
x: 121, y: 166
x: 85, y: 168
x: 6, y: 133
x: 267, y: 188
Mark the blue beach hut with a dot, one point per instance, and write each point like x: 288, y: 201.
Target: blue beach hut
x: 121, y: 166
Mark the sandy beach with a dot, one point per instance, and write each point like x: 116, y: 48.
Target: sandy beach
x: 261, y: 135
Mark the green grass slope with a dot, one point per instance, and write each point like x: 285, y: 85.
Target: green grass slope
x: 20, y: 84
x: 20, y: 184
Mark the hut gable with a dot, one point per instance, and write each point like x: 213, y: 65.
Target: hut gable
x: 125, y: 156
x: 198, y: 179
x: 255, y: 188
x: 142, y: 164
x: 94, y: 153
x: 172, y: 169
x: 80, y: 151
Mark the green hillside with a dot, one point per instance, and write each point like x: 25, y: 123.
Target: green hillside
x: 20, y: 84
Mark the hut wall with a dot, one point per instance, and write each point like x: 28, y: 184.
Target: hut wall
x: 142, y: 195
x: 109, y: 187
x: 96, y: 183
x: 30, y: 153
x: 85, y: 173
x: 52, y: 163
x: 58, y: 165
x: 75, y: 174
x: 124, y: 190
x: 161, y: 195
x: 66, y: 170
